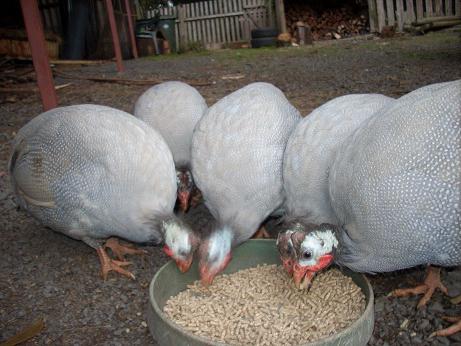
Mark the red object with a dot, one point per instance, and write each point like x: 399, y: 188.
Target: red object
x: 34, y: 28
x: 134, y: 49
x: 309, y: 271
x: 115, y: 38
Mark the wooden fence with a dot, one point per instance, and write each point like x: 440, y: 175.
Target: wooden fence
x: 217, y: 23
x: 405, y: 13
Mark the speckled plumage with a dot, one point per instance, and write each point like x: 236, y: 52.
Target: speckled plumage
x: 173, y: 109
x: 92, y: 172
x: 237, y: 152
x: 311, y: 149
x: 395, y: 186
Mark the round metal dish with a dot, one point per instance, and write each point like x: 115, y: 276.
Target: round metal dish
x: 169, y: 281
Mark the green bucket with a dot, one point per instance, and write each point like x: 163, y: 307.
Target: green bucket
x: 169, y: 281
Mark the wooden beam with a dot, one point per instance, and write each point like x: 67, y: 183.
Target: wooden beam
x: 34, y: 28
x: 373, y: 14
x: 399, y: 14
x: 134, y: 48
x: 280, y: 13
x: 182, y: 27
x: 381, y: 15
x: 115, y: 38
x: 419, y: 9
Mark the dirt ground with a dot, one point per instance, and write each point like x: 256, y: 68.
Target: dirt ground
x: 47, y: 275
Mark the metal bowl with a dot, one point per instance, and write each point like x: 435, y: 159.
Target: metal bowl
x: 169, y: 281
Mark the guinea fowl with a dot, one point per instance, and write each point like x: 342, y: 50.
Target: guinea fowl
x: 237, y: 152
x: 308, y: 156
x: 94, y: 172
x: 395, y: 188
x: 173, y: 109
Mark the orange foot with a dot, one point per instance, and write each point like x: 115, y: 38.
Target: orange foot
x: 120, y: 250
x: 453, y: 329
x: 108, y: 264
x: 431, y: 283
x: 261, y: 234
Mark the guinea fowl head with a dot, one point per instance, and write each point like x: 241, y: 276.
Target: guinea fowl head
x: 180, y: 242
x: 215, y: 254
x: 185, y: 186
x: 314, y: 249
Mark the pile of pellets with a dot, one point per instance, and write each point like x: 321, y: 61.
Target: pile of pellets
x: 262, y: 306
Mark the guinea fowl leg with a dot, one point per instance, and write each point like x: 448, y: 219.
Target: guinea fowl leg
x: 453, y: 329
x: 261, y: 233
x: 120, y: 250
x: 431, y: 283
x: 108, y: 264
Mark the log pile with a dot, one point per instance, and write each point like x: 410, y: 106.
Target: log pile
x: 332, y: 23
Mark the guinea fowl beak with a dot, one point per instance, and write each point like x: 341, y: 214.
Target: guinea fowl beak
x: 303, y: 275
x: 207, y: 273
x: 183, y: 197
x: 184, y: 265
x: 206, y: 276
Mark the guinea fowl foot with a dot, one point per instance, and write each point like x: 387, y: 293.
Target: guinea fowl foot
x: 431, y: 283
x: 108, y: 264
x: 120, y: 250
x: 453, y: 329
x: 261, y: 234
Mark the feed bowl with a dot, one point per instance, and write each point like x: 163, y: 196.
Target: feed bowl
x: 169, y: 281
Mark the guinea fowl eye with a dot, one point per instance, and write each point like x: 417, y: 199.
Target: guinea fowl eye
x: 307, y: 255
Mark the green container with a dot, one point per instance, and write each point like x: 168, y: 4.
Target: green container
x: 165, y: 24
x: 169, y: 281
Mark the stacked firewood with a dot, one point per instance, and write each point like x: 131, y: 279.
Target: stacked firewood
x: 334, y: 23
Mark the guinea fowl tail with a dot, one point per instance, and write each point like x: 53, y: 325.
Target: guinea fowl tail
x: 17, y: 153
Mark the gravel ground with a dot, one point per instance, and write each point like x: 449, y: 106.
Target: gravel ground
x: 47, y: 275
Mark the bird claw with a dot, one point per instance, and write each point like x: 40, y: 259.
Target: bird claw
x: 431, y: 283
x: 120, y: 250
x: 108, y: 264
x: 453, y: 329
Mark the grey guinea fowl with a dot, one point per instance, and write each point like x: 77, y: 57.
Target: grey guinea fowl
x: 308, y: 156
x: 237, y: 152
x: 395, y: 188
x: 173, y: 109
x: 92, y: 172
x: 311, y: 149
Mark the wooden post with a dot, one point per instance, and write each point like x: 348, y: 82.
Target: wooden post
x: 399, y: 15
x: 382, y: 15
x: 115, y: 38
x: 280, y: 13
x: 34, y: 28
x: 134, y: 49
x: 373, y: 14
x: 182, y: 27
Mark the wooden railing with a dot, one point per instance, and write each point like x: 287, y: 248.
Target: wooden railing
x: 216, y: 23
x: 404, y: 14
